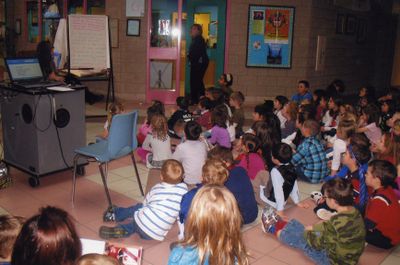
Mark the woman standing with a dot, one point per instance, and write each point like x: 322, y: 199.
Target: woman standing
x: 198, y: 63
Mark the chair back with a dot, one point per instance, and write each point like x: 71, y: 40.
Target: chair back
x: 122, y: 137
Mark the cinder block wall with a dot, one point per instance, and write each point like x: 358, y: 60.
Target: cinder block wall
x: 356, y: 64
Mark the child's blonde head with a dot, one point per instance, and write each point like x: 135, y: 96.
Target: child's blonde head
x: 172, y: 171
x: 213, y: 227
x: 215, y: 172
x: 96, y: 259
x: 9, y: 230
x: 159, y: 127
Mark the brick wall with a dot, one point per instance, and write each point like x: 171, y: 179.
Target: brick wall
x: 356, y: 64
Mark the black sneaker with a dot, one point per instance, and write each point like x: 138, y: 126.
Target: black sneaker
x: 109, y: 215
x: 269, y: 218
x: 112, y: 232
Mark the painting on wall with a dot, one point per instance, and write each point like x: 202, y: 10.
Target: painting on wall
x: 270, y: 36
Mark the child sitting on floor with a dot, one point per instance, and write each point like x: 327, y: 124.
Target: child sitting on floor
x: 369, y: 123
x: 225, y: 82
x: 284, y: 180
x: 239, y: 184
x: 205, y: 113
x: 236, y: 101
x: 251, y: 160
x: 302, y: 92
x: 192, y: 153
x: 219, y: 132
x: 213, y: 172
x: 310, y: 159
x: 382, y: 214
x: 336, y: 241
x: 114, y: 109
x: 279, y: 103
x: 155, y: 217
x: 9, y: 230
x: 156, y: 148
x: 145, y: 128
x: 212, y: 231
x: 182, y: 113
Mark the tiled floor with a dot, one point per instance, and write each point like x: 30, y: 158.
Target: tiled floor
x: 90, y: 202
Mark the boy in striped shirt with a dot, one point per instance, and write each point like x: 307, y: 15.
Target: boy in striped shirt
x: 153, y: 218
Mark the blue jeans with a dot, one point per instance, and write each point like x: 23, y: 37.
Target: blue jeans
x: 122, y: 214
x: 293, y: 235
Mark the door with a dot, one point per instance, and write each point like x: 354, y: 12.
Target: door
x: 211, y: 15
x: 163, y: 50
x: 169, y: 23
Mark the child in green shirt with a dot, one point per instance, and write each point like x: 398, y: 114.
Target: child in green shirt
x: 336, y: 241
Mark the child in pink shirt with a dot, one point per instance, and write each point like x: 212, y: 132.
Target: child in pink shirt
x: 369, y: 123
x: 250, y: 160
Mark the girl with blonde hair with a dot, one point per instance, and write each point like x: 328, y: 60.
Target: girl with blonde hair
x: 212, y: 231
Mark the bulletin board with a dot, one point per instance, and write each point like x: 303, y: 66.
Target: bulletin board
x: 270, y: 36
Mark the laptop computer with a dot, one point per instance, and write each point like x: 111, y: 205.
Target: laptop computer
x: 26, y: 73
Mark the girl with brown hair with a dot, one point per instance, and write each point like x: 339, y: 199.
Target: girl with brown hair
x: 48, y: 238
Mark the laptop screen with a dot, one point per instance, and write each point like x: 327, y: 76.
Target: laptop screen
x: 24, y: 69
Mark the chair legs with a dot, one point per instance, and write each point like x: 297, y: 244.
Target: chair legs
x: 137, y: 173
x: 103, y: 178
x: 74, y: 177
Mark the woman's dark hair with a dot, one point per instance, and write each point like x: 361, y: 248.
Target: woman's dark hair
x: 48, y: 238
x: 269, y: 106
x: 306, y: 112
x: 192, y: 130
x: 182, y: 103
x: 261, y: 110
x: 219, y: 116
x: 44, y: 56
x: 340, y: 190
x: 282, y: 152
x: 373, y: 113
x: 275, y: 125
x: 305, y: 83
x: 385, y: 171
x: 282, y: 100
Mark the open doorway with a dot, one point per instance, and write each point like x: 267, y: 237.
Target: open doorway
x: 169, y: 40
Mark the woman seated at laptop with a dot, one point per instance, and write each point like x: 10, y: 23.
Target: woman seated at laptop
x: 45, y: 54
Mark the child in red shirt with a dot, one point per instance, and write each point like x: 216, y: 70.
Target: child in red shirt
x: 382, y: 215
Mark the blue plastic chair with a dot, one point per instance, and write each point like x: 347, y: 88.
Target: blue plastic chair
x: 121, y: 142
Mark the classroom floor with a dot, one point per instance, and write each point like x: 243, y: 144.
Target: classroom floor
x: 90, y: 202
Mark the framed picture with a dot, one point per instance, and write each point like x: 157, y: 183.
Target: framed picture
x: 362, y: 31
x: 340, y: 23
x: 133, y: 27
x: 270, y: 36
x: 351, y: 25
x: 18, y: 26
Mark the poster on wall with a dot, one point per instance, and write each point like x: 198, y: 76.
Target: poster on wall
x: 270, y: 36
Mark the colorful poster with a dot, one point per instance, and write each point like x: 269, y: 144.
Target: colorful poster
x: 270, y: 34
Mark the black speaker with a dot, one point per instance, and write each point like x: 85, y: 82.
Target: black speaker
x: 41, y: 131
